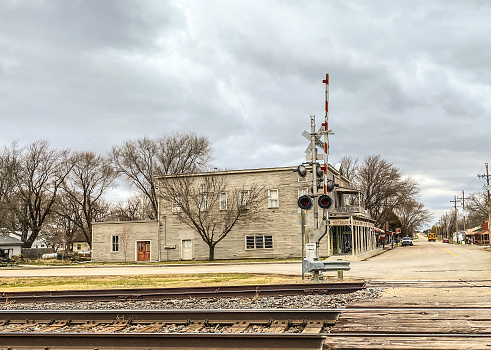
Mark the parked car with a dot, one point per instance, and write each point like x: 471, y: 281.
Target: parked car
x: 407, y: 241
x: 445, y: 240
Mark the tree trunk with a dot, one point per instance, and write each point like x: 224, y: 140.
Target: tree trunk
x: 211, y: 253
x: 29, y: 241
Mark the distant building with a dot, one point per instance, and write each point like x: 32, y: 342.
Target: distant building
x: 275, y: 233
x: 80, y: 244
x: 9, y: 246
x: 481, y: 236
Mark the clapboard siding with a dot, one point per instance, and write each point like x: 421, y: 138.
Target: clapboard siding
x: 102, y: 233
x: 168, y: 233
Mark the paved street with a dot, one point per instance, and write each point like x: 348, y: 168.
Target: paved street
x: 423, y: 261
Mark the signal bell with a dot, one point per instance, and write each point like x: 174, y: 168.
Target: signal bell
x: 305, y: 202
x: 330, y: 186
x: 301, y: 170
x: 324, y: 201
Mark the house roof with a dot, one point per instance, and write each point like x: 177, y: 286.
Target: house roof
x: 7, y: 240
x: 473, y: 231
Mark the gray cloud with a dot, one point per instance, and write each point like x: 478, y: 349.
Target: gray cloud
x: 409, y: 81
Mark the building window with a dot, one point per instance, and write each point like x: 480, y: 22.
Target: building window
x: 115, y: 244
x: 244, y: 198
x: 203, y: 202
x: 176, y: 208
x: 259, y: 242
x: 223, y: 201
x: 273, y: 200
x: 303, y: 191
x: 79, y: 246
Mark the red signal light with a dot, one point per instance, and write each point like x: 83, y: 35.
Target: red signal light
x: 305, y: 202
x: 325, y: 201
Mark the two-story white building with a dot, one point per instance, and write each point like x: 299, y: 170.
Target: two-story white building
x: 275, y: 231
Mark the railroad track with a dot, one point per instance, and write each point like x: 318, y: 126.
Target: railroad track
x: 180, y: 293
x: 166, y: 329
x: 367, y: 328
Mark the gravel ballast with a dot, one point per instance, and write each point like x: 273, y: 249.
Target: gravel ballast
x: 317, y: 301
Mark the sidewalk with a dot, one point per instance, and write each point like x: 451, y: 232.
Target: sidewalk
x: 361, y: 257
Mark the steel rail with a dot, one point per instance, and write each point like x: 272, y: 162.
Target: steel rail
x: 62, y: 336
x: 181, y: 293
x: 34, y: 341
x: 328, y: 316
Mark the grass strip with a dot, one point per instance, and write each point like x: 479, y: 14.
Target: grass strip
x: 18, y: 284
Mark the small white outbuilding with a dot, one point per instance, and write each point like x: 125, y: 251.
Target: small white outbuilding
x: 9, y: 246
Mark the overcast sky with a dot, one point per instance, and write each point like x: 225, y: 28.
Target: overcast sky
x: 409, y: 80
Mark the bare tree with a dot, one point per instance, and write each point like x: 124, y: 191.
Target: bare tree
x: 384, y: 187
x: 209, y: 206
x: 83, y: 188
x: 349, y: 166
x: 141, y: 159
x: 124, y: 240
x: 477, y: 207
x: 37, y: 172
x: 59, y: 231
x: 134, y: 208
x: 413, y: 216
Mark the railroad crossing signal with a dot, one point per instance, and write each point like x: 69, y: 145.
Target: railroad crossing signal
x: 305, y: 202
x: 325, y: 201
x: 318, y: 142
x: 301, y: 170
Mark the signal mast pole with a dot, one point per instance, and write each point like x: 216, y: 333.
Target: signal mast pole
x: 326, y: 158
x: 326, y: 133
x: 314, y: 172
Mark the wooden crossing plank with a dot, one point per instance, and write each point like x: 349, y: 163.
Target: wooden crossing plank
x: 406, y: 343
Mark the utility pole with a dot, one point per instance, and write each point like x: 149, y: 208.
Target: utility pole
x: 446, y: 226
x: 488, y: 188
x: 463, y: 205
x: 463, y: 213
x: 455, y: 201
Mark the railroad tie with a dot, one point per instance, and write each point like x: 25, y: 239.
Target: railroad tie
x: 193, y: 327
x: 114, y: 327
x: 278, y: 327
x: 18, y: 327
x: 85, y: 326
x: 55, y: 325
x: 313, y: 327
x: 3, y: 326
x: 151, y: 328
x: 239, y: 327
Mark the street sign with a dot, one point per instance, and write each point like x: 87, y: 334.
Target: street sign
x: 308, y: 157
x: 299, y: 217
